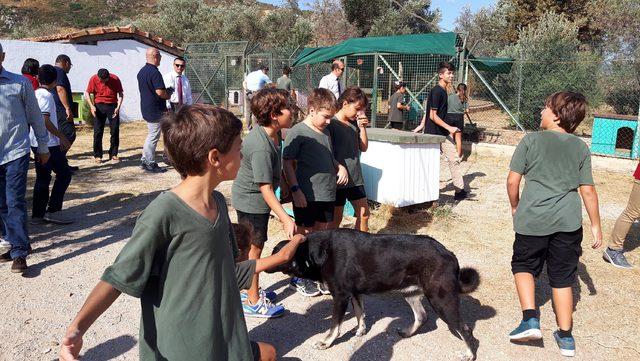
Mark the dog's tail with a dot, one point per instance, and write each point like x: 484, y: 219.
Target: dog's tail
x: 469, y: 279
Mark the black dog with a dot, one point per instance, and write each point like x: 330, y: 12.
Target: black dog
x: 354, y: 263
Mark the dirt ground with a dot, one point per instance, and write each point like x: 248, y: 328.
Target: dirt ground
x: 105, y: 200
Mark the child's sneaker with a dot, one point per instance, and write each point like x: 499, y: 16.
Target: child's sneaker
x: 616, y: 258
x: 322, y: 287
x: 263, y: 309
x: 5, y: 246
x: 567, y: 345
x: 527, y: 331
x: 269, y: 295
x: 304, y: 287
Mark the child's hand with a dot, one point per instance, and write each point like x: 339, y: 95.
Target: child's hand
x: 418, y: 129
x: 453, y: 130
x: 343, y: 175
x: 513, y: 211
x: 289, y: 227
x: 71, y: 345
x: 298, y: 238
x: 299, y: 199
x: 596, y: 231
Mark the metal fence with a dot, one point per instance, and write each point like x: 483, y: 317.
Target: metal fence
x: 502, y: 98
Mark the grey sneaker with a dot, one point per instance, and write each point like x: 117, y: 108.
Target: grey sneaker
x: 304, y: 287
x: 616, y: 258
x: 55, y: 218
x: 5, y: 246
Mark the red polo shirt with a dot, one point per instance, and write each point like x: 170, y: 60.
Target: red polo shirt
x: 107, y: 92
x: 636, y: 174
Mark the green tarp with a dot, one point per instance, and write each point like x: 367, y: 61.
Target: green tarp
x: 494, y: 65
x: 435, y: 43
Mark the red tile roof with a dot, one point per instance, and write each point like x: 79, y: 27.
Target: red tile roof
x: 113, y: 33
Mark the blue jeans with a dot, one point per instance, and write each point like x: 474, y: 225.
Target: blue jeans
x: 13, y: 206
x: 43, y: 201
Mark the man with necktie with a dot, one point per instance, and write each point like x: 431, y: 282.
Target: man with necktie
x: 331, y: 81
x: 179, y: 82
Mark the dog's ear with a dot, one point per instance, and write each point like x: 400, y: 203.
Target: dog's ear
x: 318, y: 252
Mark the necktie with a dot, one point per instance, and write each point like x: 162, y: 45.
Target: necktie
x: 179, y: 90
x: 339, y: 90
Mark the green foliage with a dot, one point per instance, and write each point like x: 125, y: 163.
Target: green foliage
x: 379, y: 17
x: 549, y: 60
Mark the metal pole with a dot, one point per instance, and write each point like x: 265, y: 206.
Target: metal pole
x: 519, y: 85
x: 374, y: 92
x: 504, y: 106
x: 226, y: 82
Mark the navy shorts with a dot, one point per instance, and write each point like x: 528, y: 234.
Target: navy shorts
x: 560, y: 251
x: 351, y: 194
x: 255, y: 350
x: 314, y: 212
x: 260, y: 224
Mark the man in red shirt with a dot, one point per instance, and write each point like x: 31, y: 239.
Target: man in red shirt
x: 107, y: 98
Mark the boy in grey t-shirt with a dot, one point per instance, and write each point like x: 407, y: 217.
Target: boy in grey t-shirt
x: 312, y: 181
x: 547, y: 218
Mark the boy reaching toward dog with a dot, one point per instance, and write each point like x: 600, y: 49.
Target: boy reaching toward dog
x: 181, y: 253
x: 547, y: 217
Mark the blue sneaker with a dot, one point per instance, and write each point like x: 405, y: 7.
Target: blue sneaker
x: 263, y: 309
x: 527, y: 331
x: 269, y: 295
x: 567, y: 345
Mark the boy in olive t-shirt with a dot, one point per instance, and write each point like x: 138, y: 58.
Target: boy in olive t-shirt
x: 180, y: 258
x: 547, y: 218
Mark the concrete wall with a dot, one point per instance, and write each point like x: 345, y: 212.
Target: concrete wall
x: 123, y: 58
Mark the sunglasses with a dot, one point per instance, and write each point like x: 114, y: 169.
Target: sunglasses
x: 179, y: 65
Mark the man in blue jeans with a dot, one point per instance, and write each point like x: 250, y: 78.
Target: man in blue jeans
x: 18, y: 111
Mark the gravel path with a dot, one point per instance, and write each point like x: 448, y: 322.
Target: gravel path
x: 105, y: 200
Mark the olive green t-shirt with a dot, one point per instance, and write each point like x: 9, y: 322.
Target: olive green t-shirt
x: 260, y: 164
x: 345, y: 140
x: 455, y: 105
x: 395, y: 114
x: 554, y: 165
x: 284, y: 82
x: 181, y: 266
x: 315, y: 167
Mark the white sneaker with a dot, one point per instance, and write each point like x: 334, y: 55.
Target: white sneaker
x: 5, y: 246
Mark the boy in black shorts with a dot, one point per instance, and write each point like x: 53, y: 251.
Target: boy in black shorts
x: 547, y: 218
x: 313, y: 181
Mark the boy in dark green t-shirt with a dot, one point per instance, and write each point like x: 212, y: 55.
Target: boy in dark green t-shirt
x: 547, y: 218
x: 180, y: 258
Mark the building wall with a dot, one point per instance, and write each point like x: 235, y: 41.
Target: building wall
x: 123, y: 58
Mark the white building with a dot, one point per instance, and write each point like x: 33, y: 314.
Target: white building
x: 121, y: 50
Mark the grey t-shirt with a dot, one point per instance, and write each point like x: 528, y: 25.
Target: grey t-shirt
x: 454, y: 105
x: 395, y: 114
x: 260, y: 164
x: 181, y: 266
x: 554, y: 165
x: 315, y: 167
x: 284, y: 82
x: 345, y: 139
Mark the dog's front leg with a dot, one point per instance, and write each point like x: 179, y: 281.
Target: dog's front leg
x: 339, y: 308
x: 358, y: 308
x: 419, y: 315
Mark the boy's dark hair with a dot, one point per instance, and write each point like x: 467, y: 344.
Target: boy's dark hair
x: 63, y: 58
x: 192, y: 132
x: 336, y: 64
x: 31, y: 67
x: 399, y: 84
x: 569, y: 107
x: 352, y: 95
x: 243, y: 234
x: 179, y: 58
x: 321, y: 98
x: 47, y: 74
x: 444, y: 66
x: 269, y: 101
x: 103, y: 74
x: 263, y: 67
x: 286, y: 70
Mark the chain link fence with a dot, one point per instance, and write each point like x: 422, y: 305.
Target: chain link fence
x: 507, y: 96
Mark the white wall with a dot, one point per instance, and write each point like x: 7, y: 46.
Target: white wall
x: 123, y: 58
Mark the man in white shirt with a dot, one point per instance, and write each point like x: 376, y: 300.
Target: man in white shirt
x: 254, y: 81
x: 179, y: 82
x: 331, y: 81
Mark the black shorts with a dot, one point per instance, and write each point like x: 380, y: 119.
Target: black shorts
x: 260, y: 224
x: 313, y: 212
x: 560, y: 251
x: 351, y: 193
x: 455, y: 120
x: 255, y: 350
